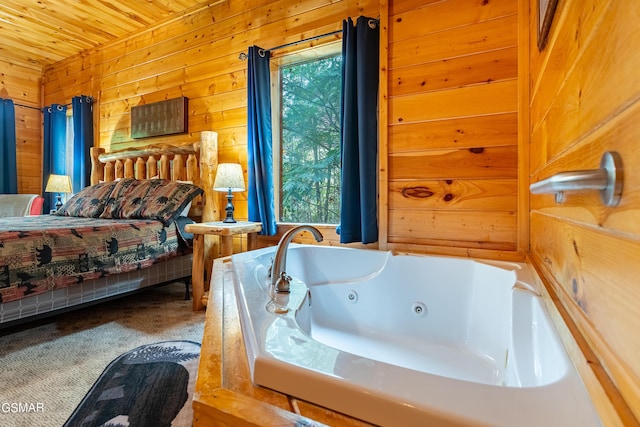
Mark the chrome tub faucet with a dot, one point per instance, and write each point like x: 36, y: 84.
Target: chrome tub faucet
x: 280, y: 280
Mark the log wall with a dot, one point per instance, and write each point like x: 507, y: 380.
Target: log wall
x: 585, y: 99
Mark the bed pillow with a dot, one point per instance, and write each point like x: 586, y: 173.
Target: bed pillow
x: 187, y: 208
x: 89, y: 202
x: 159, y: 199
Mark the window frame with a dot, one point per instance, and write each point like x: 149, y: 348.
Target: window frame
x: 276, y: 62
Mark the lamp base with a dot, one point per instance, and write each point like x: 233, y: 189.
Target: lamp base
x: 59, y: 202
x: 229, y: 209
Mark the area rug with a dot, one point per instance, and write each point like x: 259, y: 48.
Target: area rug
x: 151, y: 385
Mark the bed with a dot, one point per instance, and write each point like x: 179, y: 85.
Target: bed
x: 123, y: 233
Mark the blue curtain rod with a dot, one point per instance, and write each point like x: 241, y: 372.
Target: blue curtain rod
x: 243, y: 55
x: 41, y: 109
x: 34, y: 108
x: 27, y: 106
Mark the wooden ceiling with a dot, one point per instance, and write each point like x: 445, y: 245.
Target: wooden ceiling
x: 38, y: 33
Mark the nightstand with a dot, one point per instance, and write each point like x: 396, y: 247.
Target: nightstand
x: 226, y: 231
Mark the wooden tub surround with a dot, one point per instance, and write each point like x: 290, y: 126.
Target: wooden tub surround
x: 224, y: 394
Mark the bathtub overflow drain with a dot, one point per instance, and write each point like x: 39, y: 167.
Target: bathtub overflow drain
x: 352, y: 296
x: 419, y: 309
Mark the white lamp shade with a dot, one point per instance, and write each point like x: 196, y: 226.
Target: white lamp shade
x: 58, y: 184
x: 229, y: 177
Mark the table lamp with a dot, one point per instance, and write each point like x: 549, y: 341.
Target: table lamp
x: 229, y: 179
x: 58, y: 184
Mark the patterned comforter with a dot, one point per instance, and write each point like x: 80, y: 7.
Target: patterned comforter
x: 41, y: 253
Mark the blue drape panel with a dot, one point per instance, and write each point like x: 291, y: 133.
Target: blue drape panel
x: 259, y: 142
x: 82, y: 141
x: 53, y: 154
x: 8, y: 163
x: 359, y: 131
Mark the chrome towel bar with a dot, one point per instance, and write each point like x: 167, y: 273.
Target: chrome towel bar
x: 608, y: 180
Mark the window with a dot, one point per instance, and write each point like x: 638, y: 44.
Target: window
x: 306, y: 125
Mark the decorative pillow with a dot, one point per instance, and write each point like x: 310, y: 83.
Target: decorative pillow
x: 88, y: 202
x: 159, y: 199
x: 187, y: 208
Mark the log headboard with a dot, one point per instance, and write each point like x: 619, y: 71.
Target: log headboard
x: 195, y: 162
x: 175, y: 163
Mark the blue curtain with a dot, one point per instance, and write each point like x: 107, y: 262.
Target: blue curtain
x: 55, y: 128
x: 8, y: 163
x: 82, y: 141
x: 259, y: 142
x: 359, y: 131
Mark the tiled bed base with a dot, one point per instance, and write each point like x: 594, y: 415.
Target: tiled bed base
x: 94, y: 290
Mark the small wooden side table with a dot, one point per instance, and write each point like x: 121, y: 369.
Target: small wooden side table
x: 226, y: 231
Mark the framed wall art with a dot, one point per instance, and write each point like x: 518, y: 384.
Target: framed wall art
x: 167, y: 117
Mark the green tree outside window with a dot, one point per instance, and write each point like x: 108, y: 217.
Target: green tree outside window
x: 311, y: 141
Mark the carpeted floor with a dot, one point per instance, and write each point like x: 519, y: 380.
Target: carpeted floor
x: 47, y: 367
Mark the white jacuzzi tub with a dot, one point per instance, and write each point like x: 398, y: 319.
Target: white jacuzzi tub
x: 408, y: 340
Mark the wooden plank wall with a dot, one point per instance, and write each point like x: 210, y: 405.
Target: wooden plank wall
x: 585, y: 99
x: 21, y: 83
x: 197, y: 56
x: 453, y: 127
x: 452, y: 139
